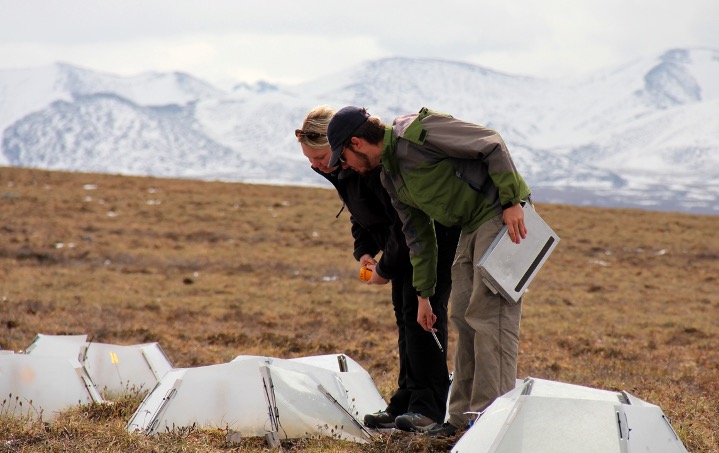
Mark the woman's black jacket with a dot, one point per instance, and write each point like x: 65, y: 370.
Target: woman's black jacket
x: 375, y: 224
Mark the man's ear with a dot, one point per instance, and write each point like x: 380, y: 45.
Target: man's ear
x: 356, y: 143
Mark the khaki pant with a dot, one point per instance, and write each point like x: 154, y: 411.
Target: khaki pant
x: 485, y: 363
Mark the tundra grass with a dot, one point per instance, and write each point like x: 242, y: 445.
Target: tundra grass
x: 211, y: 270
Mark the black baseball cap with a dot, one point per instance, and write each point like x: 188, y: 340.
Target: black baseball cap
x: 341, y: 127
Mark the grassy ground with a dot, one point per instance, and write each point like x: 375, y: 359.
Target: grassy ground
x: 628, y: 301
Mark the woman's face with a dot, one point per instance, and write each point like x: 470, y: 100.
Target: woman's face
x: 318, y: 157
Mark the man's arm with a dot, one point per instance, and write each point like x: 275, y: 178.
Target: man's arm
x: 421, y: 240
x: 418, y: 230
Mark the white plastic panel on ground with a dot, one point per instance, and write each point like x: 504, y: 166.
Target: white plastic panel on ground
x: 330, y: 362
x: 57, y: 345
x: 354, y: 389
x: 553, y: 417
x: 559, y: 425
x: 224, y: 395
x: 305, y: 410
x: 309, y: 399
x: 42, y: 386
x: 115, y: 369
x: 543, y: 387
x: 118, y: 369
x: 146, y: 417
x: 650, y: 430
x: 362, y: 394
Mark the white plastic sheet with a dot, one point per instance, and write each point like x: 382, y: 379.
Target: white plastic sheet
x: 115, y: 369
x: 299, y: 399
x: 41, y: 386
x: 546, y: 416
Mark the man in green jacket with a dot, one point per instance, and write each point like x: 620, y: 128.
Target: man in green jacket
x: 436, y: 167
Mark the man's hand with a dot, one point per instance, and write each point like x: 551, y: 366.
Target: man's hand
x: 425, y: 317
x: 514, y: 219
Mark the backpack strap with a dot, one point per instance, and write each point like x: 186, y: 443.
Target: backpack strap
x: 415, y: 132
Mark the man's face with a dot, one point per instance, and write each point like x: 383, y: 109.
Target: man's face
x: 361, y: 156
x: 318, y: 157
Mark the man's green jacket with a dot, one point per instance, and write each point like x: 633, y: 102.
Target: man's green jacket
x: 457, y: 173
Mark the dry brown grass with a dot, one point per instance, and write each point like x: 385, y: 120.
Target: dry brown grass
x: 628, y: 301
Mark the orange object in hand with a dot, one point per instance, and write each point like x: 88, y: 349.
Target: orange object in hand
x: 365, y: 274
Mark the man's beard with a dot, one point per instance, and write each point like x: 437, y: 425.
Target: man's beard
x: 367, y: 166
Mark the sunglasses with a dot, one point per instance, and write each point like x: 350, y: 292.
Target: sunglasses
x: 299, y: 133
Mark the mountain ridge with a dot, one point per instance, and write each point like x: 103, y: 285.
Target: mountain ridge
x: 643, y: 134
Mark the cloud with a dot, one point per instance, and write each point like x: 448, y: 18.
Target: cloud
x: 286, y: 41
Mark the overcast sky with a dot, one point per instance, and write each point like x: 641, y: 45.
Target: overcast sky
x: 290, y: 41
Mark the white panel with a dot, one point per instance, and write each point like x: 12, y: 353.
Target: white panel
x: 42, y: 385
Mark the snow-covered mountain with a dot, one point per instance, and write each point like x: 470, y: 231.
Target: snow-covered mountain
x: 645, y: 134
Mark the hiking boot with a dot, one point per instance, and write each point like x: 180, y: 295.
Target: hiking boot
x: 446, y: 429
x: 414, y: 422
x: 381, y: 419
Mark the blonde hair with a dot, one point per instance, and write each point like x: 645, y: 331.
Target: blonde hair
x: 317, y: 120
